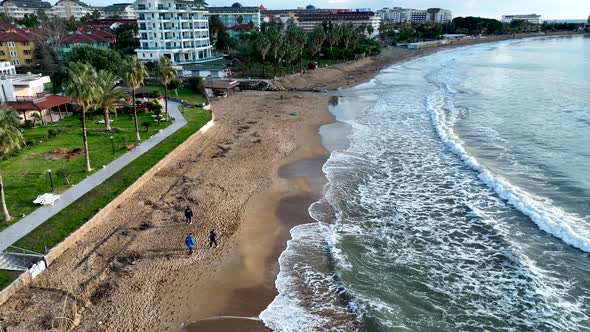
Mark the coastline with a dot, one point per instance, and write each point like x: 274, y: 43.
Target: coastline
x: 251, y: 184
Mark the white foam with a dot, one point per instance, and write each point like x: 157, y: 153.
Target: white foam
x: 566, y: 226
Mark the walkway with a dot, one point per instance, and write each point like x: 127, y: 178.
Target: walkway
x: 15, y: 232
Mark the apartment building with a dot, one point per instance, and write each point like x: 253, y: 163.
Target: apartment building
x: 398, y: 15
x: 177, y: 29
x: 123, y: 11
x: 308, y: 22
x: 236, y: 14
x: 19, y: 8
x: 532, y: 18
x: 71, y: 8
x: 85, y: 37
x: 17, y: 45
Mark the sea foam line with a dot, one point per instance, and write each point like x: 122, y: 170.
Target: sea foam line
x: 551, y: 219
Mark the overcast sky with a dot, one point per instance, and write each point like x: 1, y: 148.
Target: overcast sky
x: 549, y: 9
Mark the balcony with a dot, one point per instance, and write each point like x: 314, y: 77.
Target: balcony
x: 33, y: 98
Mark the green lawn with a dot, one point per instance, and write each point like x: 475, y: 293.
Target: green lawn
x: 183, y: 93
x: 7, y: 277
x: 25, y: 174
x: 57, y: 228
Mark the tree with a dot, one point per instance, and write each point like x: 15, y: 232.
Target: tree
x: 317, y: 37
x: 36, y: 117
x: 166, y: 73
x: 107, y: 94
x: 240, y: 19
x: 135, y: 74
x: 333, y: 36
x: 126, y: 42
x: 30, y: 21
x: 263, y: 46
x: 146, y: 125
x: 156, y: 108
x: 370, y: 29
x: 11, y: 139
x: 216, y: 27
x: 174, y: 85
x: 276, y: 40
x: 196, y: 85
x: 98, y: 58
x: 78, y: 89
x: 347, y: 32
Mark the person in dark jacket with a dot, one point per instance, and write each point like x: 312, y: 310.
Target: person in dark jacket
x: 188, y: 213
x: 212, y: 238
x: 190, y: 243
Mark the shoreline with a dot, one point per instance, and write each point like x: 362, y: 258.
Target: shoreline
x: 252, y: 178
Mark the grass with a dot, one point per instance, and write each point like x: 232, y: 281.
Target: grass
x: 57, y: 228
x: 183, y: 93
x: 7, y: 277
x: 25, y: 174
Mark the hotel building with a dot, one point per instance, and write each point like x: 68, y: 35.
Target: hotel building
x: 398, y: 15
x: 229, y: 16
x: 532, y: 19
x: 70, y: 8
x: 176, y: 29
x: 19, y: 8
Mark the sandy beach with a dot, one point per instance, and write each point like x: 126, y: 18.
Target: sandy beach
x: 250, y: 177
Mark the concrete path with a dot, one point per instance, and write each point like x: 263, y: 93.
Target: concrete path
x: 15, y: 232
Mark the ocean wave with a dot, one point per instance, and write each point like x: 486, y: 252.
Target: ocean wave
x: 568, y: 227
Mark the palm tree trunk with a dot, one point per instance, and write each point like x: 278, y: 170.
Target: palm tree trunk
x: 3, y: 200
x: 85, y: 138
x: 107, y: 120
x: 166, y: 99
x: 59, y: 111
x: 137, y: 138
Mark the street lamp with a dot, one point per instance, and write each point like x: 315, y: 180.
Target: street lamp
x: 112, y: 144
x: 50, y: 179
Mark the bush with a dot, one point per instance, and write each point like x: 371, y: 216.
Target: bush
x: 52, y: 132
x: 174, y: 84
x: 30, y: 142
x: 154, y: 94
x: 196, y: 85
x: 28, y: 124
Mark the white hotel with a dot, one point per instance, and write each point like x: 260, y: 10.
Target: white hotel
x: 176, y: 29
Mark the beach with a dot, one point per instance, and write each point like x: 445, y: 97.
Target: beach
x: 251, y: 177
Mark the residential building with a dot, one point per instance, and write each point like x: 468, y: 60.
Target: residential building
x: 587, y: 25
x: 241, y: 29
x: 17, y: 45
x: 26, y: 93
x: 308, y: 22
x: 439, y: 15
x: 19, y: 8
x: 95, y: 38
x: 177, y: 29
x: 109, y: 23
x: 532, y: 18
x: 120, y: 11
x: 71, y: 8
x: 398, y: 15
x: 230, y: 16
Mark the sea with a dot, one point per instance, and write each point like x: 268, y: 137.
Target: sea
x: 458, y: 198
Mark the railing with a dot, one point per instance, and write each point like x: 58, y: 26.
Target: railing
x: 28, y: 99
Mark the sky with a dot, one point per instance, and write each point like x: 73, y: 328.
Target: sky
x: 549, y: 9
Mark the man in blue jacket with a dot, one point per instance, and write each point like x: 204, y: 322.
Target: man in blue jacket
x: 190, y: 243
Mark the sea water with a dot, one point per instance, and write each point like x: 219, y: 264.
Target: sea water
x: 461, y: 203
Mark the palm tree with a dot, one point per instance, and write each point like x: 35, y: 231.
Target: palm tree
x: 11, y: 139
x: 167, y: 73
x: 318, y: 35
x: 333, y: 36
x: 263, y: 46
x: 135, y: 74
x: 107, y: 94
x: 79, y: 88
x: 276, y: 40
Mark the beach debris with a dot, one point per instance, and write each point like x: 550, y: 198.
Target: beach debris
x: 243, y: 129
x: 293, y: 113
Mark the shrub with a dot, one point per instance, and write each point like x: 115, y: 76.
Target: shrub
x: 28, y: 124
x: 52, y: 132
x: 196, y: 84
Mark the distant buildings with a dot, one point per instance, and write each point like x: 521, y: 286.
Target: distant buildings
x: 70, y: 8
x: 236, y: 14
x: 308, y: 19
x: 532, y: 18
x: 177, y: 29
x: 398, y: 15
x: 120, y: 11
x: 19, y: 8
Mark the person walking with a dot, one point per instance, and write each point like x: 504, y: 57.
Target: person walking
x: 212, y: 238
x: 190, y: 243
x: 188, y: 213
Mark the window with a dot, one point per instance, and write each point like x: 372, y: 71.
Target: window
x: 25, y: 43
x: 27, y: 52
x: 141, y: 7
x: 13, y: 53
x: 10, y: 44
x: 1, y: 44
x: 15, y: 62
x: 28, y: 61
x: 2, y: 53
x: 160, y: 6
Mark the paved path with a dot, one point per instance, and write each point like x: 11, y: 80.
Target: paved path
x: 15, y: 232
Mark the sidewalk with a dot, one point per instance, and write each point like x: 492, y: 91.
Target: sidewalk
x: 15, y: 232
